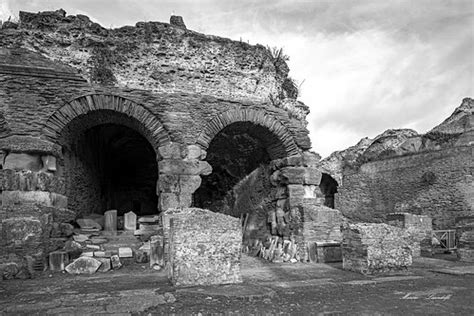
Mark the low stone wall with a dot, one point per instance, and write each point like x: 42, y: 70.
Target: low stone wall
x: 419, y: 226
x: 204, y: 248
x: 376, y: 248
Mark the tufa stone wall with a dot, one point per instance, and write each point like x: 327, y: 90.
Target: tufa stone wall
x: 376, y: 248
x: 204, y: 248
x: 438, y: 184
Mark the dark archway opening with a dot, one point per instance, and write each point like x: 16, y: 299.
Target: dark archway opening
x: 328, y: 187
x: 235, y: 152
x: 110, y: 166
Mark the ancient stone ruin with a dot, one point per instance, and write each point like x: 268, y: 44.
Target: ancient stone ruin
x: 158, y: 145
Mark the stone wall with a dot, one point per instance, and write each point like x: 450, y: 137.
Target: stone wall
x: 419, y: 226
x: 182, y: 77
x: 376, y: 248
x: 438, y: 184
x: 204, y: 248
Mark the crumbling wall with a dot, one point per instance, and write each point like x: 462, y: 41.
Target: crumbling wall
x: 438, y: 184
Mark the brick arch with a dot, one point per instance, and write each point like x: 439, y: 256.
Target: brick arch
x: 149, y: 125
x: 288, y: 146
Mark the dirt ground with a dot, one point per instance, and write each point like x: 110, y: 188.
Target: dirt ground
x: 431, y: 286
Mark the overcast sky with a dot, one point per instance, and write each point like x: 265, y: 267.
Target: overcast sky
x: 363, y: 66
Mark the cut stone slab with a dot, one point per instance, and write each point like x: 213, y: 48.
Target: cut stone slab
x: 83, y: 265
x: 130, y: 221
x: 87, y: 223
x: 110, y: 218
x: 125, y: 252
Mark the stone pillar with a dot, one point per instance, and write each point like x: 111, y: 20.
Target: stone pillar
x: 179, y: 174
x: 33, y: 199
x: 297, y: 180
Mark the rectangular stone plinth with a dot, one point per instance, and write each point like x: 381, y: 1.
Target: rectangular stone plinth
x: 376, y: 248
x: 204, y: 248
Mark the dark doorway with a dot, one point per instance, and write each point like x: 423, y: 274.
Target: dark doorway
x: 111, y: 166
x: 328, y: 187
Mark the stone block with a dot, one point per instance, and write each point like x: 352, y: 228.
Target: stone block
x: 156, y: 251
x: 194, y: 152
x: 376, y: 248
x: 23, y: 161
x: 125, y: 252
x: 110, y: 220
x: 184, y: 167
x: 34, y: 197
x: 87, y: 223
x: 49, y: 163
x: 172, y: 151
x: 130, y: 221
x: 168, y: 183
x: 312, y: 176
x: 58, y: 260
x: 204, y: 248
x: 328, y: 252
x: 292, y: 175
x: 115, y: 261
x: 105, y: 264
x: 83, y: 265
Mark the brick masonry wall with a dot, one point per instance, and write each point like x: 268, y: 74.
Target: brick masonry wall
x: 205, y: 248
x: 438, y: 184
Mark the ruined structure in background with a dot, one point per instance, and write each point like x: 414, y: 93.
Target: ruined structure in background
x: 402, y: 171
x: 143, y: 118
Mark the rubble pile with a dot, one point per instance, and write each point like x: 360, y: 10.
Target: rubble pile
x: 106, y: 242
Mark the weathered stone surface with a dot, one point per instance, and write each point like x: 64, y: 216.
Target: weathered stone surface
x: 204, y: 248
x: 21, y: 161
x: 58, y: 260
x: 87, y: 223
x: 395, y: 173
x: 110, y: 218
x: 376, y: 248
x: 26, y: 180
x: 156, y: 251
x: 105, y: 264
x: 465, y: 248
x: 130, y: 221
x: 125, y: 252
x: 49, y: 163
x: 184, y: 167
x: 115, y: 261
x: 36, y: 197
x: 419, y: 226
x: 83, y: 265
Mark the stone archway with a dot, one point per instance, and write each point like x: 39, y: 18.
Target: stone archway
x: 257, y: 117
x: 240, y: 143
x: 149, y: 126
x: 110, y: 152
